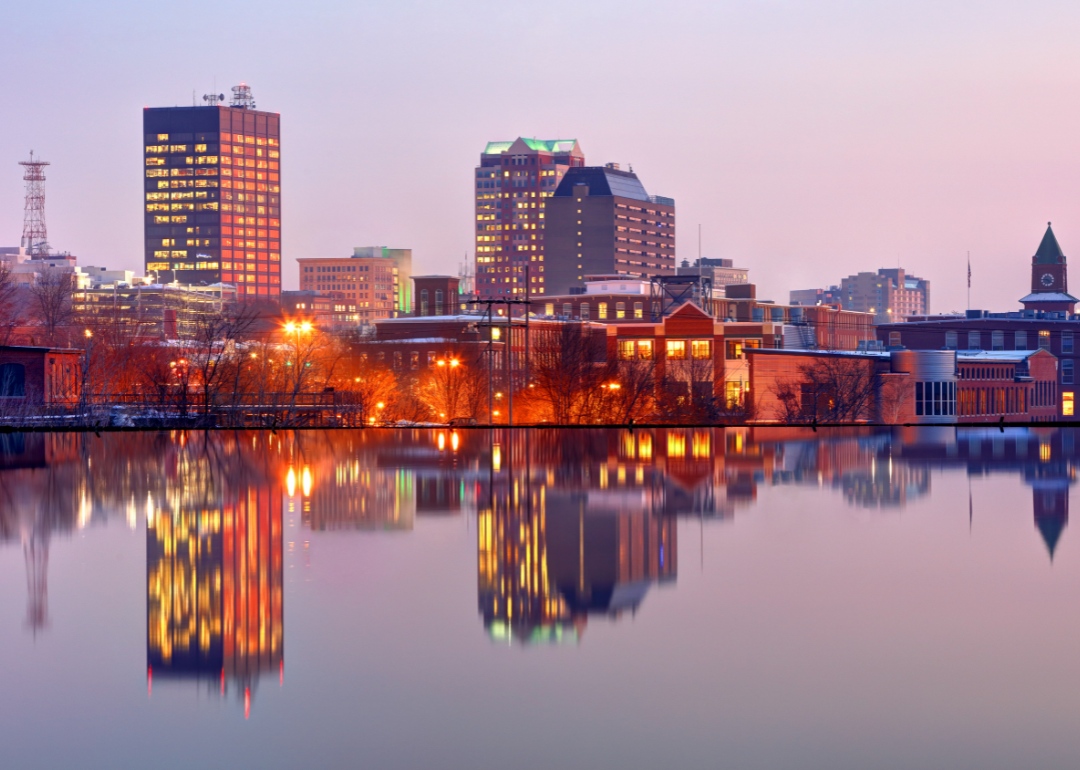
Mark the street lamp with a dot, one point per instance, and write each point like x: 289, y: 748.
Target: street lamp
x: 296, y: 329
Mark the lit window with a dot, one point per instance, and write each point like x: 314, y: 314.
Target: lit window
x: 701, y: 349
x: 1067, y: 403
x: 676, y: 349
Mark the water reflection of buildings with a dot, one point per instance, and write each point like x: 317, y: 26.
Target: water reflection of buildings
x: 550, y: 557
x: 1044, y: 457
x: 214, y: 569
x: 40, y: 494
x: 383, y: 479
x: 215, y: 593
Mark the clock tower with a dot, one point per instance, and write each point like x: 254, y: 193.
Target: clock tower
x: 1049, y: 280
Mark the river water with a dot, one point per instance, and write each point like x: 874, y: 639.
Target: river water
x: 684, y: 598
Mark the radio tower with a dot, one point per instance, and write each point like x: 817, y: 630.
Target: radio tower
x: 34, y: 237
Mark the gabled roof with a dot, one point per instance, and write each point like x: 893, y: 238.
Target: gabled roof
x: 689, y: 310
x: 1049, y: 252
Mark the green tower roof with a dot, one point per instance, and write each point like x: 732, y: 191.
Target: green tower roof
x: 1049, y: 252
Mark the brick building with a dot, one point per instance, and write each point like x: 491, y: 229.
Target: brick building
x: 908, y: 386
x: 614, y: 299
x: 1025, y: 330
x: 1046, y: 323
x: 36, y: 375
x: 436, y: 295
x: 367, y: 287
x: 696, y: 348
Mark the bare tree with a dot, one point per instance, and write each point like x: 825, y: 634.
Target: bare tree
x: 568, y: 366
x: 214, y: 353
x: 10, y: 310
x: 832, y: 389
x: 51, y: 304
x: 687, y: 392
x: 896, y: 395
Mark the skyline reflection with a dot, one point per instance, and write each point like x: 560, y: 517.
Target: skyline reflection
x: 863, y: 592
x: 570, y: 524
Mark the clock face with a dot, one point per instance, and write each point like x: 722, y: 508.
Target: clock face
x: 1047, y: 279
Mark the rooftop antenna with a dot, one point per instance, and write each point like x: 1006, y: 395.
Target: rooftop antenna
x: 213, y: 100
x: 35, y: 238
x: 242, y: 98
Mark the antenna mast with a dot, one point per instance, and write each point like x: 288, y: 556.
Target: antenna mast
x: 35, y: 239
x: 242, y: 98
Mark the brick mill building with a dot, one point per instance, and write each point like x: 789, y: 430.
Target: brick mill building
x: 1046, y: 323
x: 909, y: 387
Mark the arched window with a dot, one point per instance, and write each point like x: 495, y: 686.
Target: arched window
x: 423, y: 302
x: 438, y: 301
x: 12, y: 380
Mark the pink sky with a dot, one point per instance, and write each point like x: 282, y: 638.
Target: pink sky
x: 809, y: 139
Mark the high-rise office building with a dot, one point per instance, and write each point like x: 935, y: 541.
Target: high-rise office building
x: 213, y: 194
x: 600, y: 221
x: 513, y: 181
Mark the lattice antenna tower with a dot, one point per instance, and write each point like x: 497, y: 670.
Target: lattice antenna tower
x: 35, y: 238
x: 242, y: 98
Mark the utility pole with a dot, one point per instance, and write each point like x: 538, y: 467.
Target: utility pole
x: 510, y: 365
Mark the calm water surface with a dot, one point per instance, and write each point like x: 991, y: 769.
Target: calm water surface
x: 763, y: 598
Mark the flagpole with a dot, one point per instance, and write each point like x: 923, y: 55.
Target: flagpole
x: 969, y: 280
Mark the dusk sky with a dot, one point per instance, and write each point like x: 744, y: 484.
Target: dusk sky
x: 809, y: 139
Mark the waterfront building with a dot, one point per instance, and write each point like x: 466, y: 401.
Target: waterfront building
x: 903, y: 386
x: 513, y: 183
x: 213, y: 194
x: 33, y: 376
x: 601, y: 221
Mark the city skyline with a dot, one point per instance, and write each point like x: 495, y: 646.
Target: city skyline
x: 891, y: 134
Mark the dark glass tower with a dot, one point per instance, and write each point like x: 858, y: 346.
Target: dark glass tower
x: 213, y: 194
